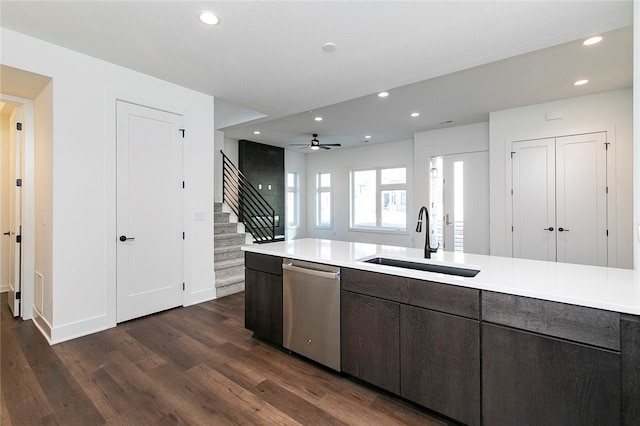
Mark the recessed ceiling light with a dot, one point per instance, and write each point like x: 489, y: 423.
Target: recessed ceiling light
x: 415, y: 114
x: 592, y: 40
x: 318, y: 118
x: 580, y: 82
x: 368, y: 137
x: 329, y: 47
x: 383, y: 94
x: 209, y: 18
x: 257, y: 132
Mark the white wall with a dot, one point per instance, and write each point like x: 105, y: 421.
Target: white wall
x: 610, y: 112
x: 452, y: 140
x: 339, y: 163
x: 82, y: 216
x: 296, y: 162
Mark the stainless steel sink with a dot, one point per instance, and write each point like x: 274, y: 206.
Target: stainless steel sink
x: 429, y: 267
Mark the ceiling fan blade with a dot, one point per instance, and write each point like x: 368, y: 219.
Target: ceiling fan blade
x: 330, y: 144
x: 323, y: 146
x: 298, y: 144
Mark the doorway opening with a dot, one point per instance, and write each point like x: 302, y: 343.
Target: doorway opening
x: 17, y: 204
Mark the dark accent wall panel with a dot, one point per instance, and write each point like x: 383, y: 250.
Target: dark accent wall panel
x: 263, y: 165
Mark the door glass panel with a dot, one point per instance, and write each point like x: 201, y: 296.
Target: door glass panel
x: 437, y: 202
x: 458, y: 207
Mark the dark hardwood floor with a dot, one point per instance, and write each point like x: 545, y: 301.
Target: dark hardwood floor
x: 195, y: 365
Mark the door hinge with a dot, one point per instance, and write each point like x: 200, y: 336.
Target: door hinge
x: 18, y: 295
x: 511, y: 228
x: 512, y: 192
x: 182, y: 286
x: 18, y: 239
x: 19, y: 126
x: 182, y: 184
x: 182, y: 130
x: 183, y: 235
x: 18, y: 182
x: 607, y: 232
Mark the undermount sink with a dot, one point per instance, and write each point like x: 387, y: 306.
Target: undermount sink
x: 429, y: 267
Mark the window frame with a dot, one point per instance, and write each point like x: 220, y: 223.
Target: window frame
x: 380, y: 188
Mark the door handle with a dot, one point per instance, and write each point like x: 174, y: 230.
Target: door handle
x: 125, y: 238
x: 549, y: 228
x: 8, y: 233
x: 563, y: 230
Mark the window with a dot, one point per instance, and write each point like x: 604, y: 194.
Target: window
x: 293, y: 203
x: 379, y: 198
x: 323, y: 200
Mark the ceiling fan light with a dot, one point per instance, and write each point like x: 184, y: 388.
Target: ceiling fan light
x: 314, y: 147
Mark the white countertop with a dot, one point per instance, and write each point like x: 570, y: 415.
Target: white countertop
x: 592, y: 286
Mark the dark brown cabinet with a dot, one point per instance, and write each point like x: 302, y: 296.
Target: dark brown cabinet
x: 478, y: 357
x: 263, y: 296
x: 440, y: 358
x: 550, y: 363
x: 390, y: 339
x: 530, y: 379
x: 370, y: 341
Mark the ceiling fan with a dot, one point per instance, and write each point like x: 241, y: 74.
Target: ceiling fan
x: 315, y: 144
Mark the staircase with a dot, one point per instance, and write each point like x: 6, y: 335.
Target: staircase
x: 228, y: 258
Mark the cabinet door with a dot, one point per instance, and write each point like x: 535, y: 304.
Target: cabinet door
x: 440, y: 358
x: 528, y: 379
x: 371, y: 340
x: 263, y: 305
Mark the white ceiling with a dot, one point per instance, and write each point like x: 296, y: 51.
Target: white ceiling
x: 264, y: 61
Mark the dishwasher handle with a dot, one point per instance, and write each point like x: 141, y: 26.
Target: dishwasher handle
x: 321, y: 274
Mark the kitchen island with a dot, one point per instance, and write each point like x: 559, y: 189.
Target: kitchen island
x: 521, y: 342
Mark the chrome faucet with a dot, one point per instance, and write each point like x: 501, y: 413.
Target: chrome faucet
x: 424, y: 215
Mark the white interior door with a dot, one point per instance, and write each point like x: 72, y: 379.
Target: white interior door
x: 466, y: 202
x: 533, y: 199
x: 149, y: 211
x: 581, y: 183
x: 15, y: 213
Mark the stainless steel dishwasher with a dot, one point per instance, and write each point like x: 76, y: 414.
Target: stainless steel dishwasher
x: 311, y: 311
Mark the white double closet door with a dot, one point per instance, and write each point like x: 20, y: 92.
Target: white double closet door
x: 559, y: 200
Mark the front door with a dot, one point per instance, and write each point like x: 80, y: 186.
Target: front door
x: 149, y: 211
x: 460, y: 201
